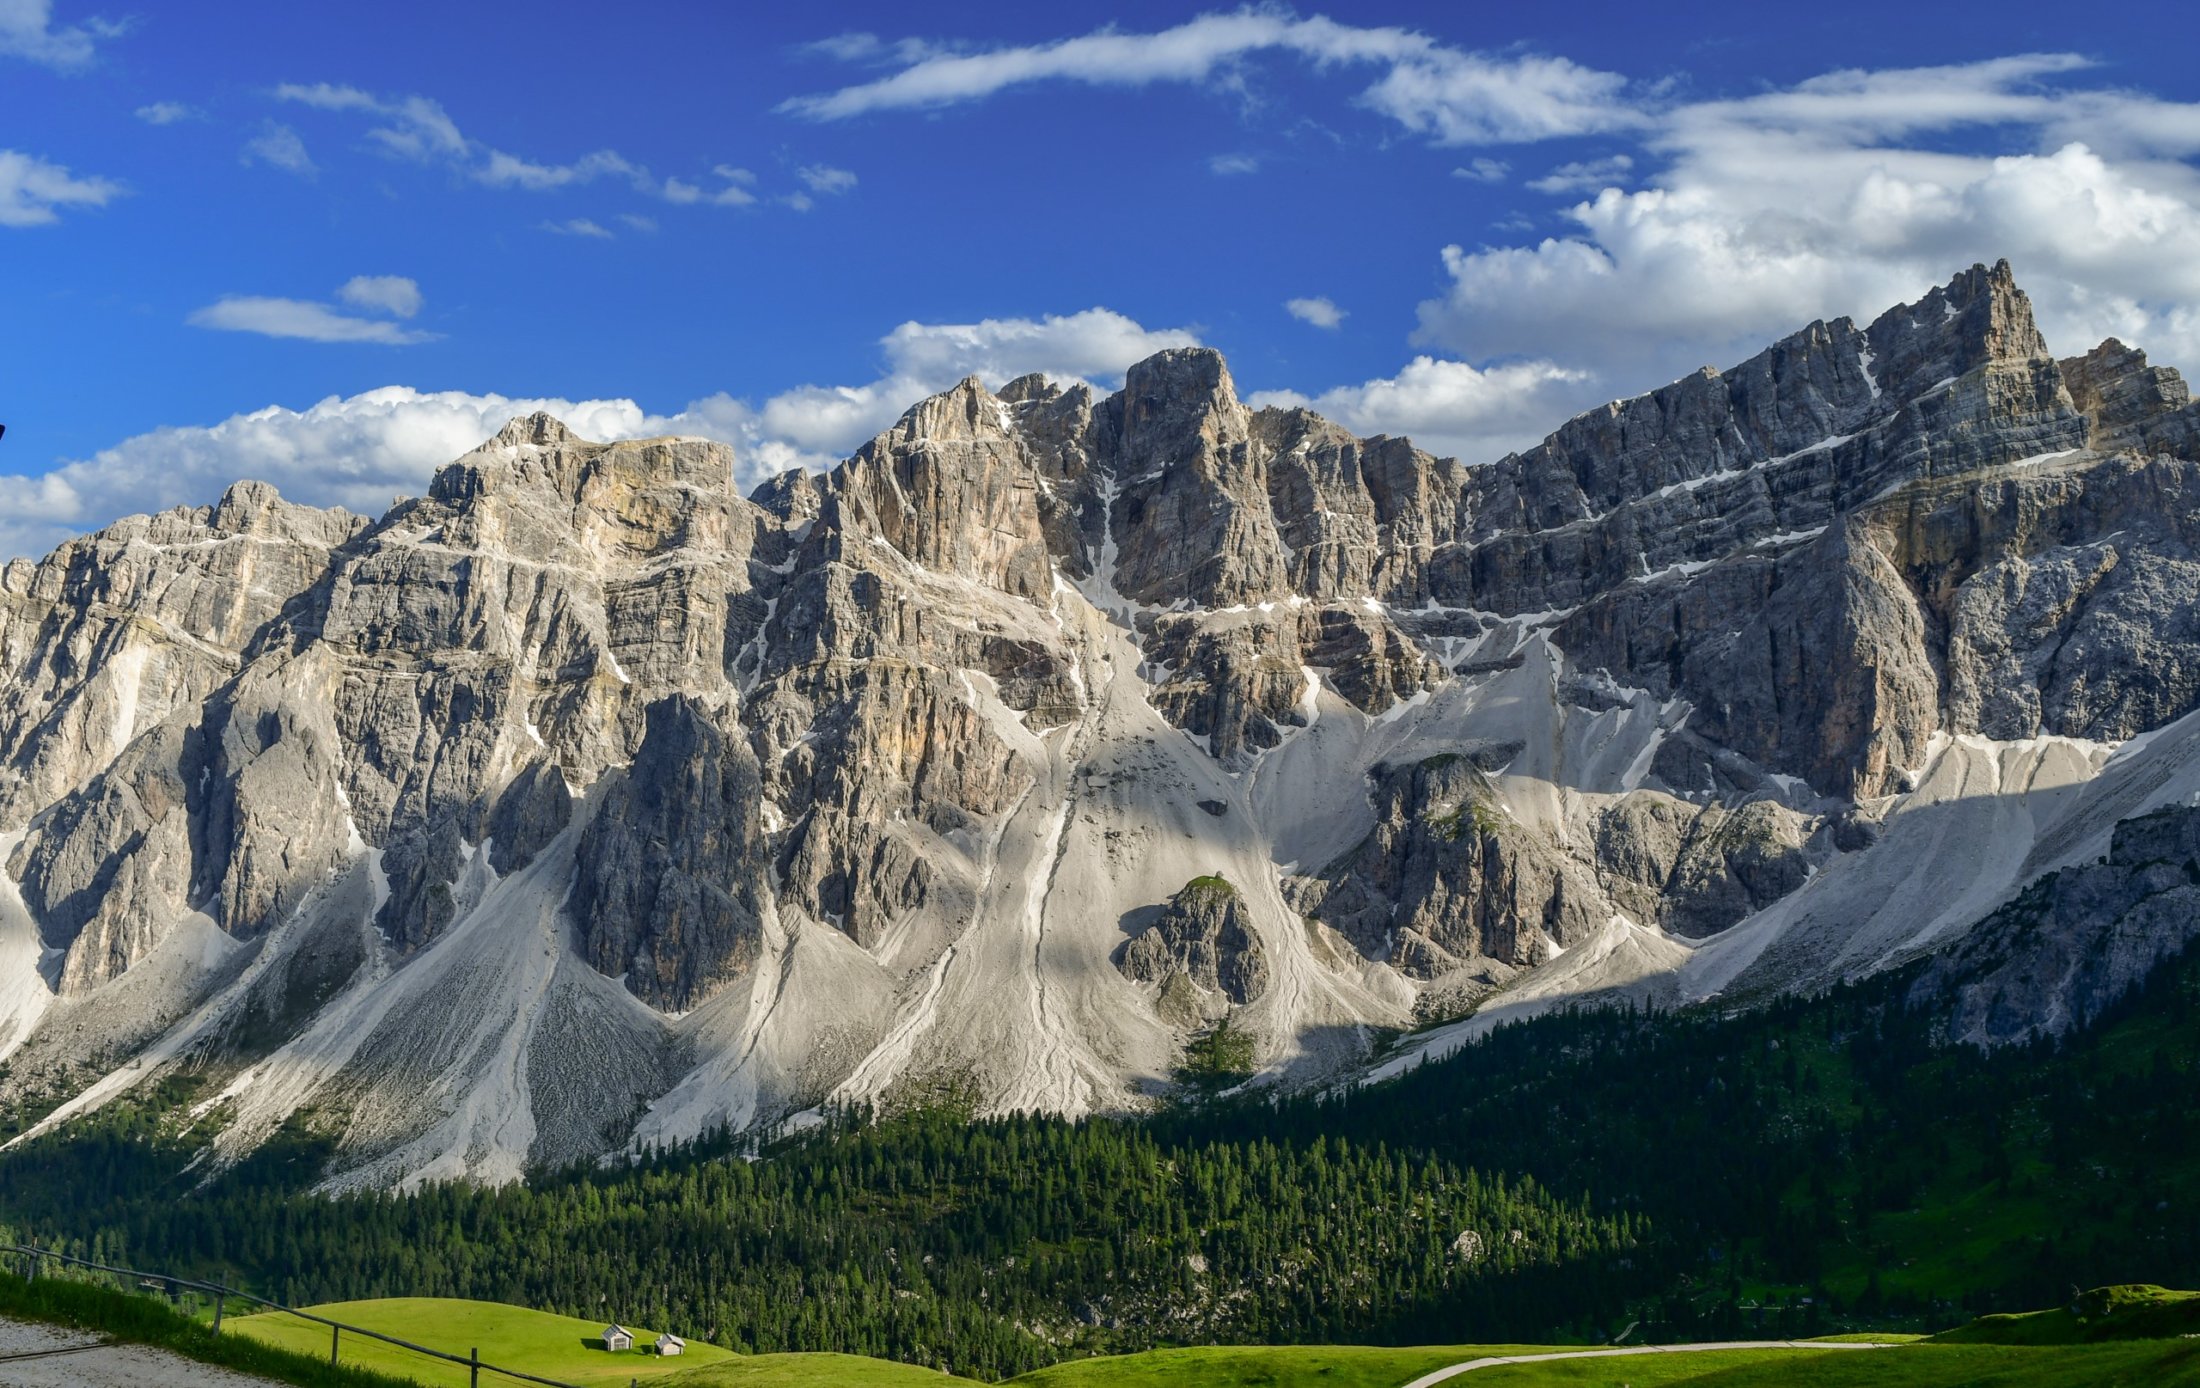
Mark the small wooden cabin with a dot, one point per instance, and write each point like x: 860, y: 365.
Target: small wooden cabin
x: 618, y: 1339
x: 669, y: 1343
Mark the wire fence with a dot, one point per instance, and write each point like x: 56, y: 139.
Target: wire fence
x: 174, y: 1287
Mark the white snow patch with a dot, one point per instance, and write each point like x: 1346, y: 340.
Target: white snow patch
x: 1783, y: 538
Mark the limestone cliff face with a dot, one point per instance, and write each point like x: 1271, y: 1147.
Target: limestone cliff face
x: 858, y: 781
x: 674, y: 869
x: 110, y: 634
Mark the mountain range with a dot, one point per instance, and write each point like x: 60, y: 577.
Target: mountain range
x: 585, y: 802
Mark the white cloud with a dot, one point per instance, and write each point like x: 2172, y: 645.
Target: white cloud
x: 580, y: 226
x: 1471, y: 98
x: 32, y: 191
x: 281, y: 147
x: 414, y: 127
x: 1585, y: 175
x: 358, y: 451
x: 870, y: 48
x: 634, y: 222
x: 167, y: 113
x: 1840, y: 196
x: 1483, y: 171
x: 418, y: 129
x: 311, y: 321
x: 1453, y: 409
x: 823, y: 178
x: 27, y: 31
x: 683, y: 193
x: 1319, y: 312
x: 1450, y: 96
x: 392, y: 294
x: 1227, y: 165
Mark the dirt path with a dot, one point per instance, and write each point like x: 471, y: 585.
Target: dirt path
x: 1430, y: 1379
x: 46, y: 1356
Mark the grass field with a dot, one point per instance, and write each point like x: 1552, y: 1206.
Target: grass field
x: 512, y: 1337
x: 2039, y: 1351
x: 2174, y: 1364
x: 2135, y: 1312
x: 1243, y: 1366
x: 812, y: 1371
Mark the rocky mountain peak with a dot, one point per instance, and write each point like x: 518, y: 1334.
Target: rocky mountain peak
x: 248, y: 508
x: 2130, y: 403
x: 538, y: 430
x: 1030, y: 387
x: 1179, y: 405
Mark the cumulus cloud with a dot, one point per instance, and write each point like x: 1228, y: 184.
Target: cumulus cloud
x: 1451, y: 96
x: 1319, y: 312
x: 33, y: 192
x: 27, y: 31
x: 359, y: 451
x: 311, y: 321
x: 278, y: 146
x: 167, y: 113
x: 1841, y: 196
x: 1483, y: 171
x: 1228, y: 165
x: 1451, y: 408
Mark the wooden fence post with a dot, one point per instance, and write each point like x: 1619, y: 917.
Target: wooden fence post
x: 218, y: 1312
x: 473, y: 1375
x: 335, y: 1333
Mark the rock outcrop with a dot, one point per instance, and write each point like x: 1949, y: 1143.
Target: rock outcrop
x: 2076, y: 940
x: 1205, y: 936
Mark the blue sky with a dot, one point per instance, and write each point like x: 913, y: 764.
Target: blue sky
x: 333, y: 245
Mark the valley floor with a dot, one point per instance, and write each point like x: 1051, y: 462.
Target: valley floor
x: 36, y: 1355
x: 552, y: 1345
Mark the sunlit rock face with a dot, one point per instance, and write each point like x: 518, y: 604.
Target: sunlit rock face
x: 585, y: 800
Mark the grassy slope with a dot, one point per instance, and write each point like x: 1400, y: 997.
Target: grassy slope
x: 2140, y: 1312
x: 514, y: 1337
x: 1244, y: 1366
x: 538, y: 1341
x: 2172, y: 1364
x: 812, y: 1371
x: 2157, y: 1364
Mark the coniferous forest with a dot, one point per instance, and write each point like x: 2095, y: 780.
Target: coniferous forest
x: 1793, y: 1168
